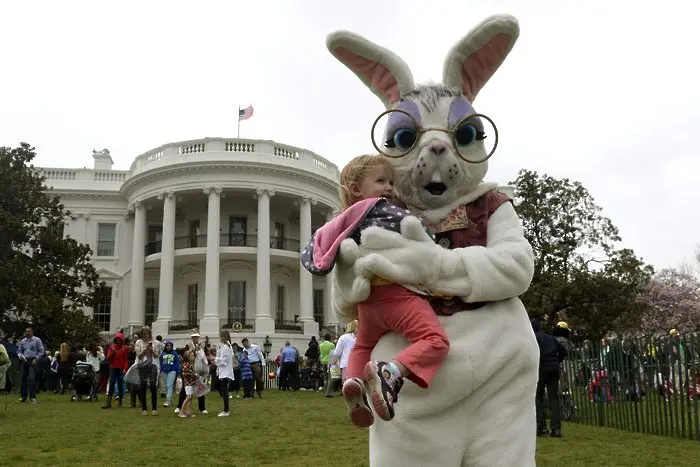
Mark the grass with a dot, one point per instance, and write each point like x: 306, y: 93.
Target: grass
x: 283, y: 429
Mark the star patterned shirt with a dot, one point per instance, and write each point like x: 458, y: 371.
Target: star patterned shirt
x: 383, y: 214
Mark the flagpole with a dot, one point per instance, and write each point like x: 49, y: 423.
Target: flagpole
x: 238, y: 135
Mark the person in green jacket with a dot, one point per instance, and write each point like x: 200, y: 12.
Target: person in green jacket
x: 326, y: 348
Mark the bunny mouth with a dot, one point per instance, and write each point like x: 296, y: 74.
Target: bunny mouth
x: 435, y: 188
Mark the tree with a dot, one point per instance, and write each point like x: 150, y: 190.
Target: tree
x: 580, y: 273
x: 47, y: 279
x: 672, y: 300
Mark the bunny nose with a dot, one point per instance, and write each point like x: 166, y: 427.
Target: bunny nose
x: 437, y: 148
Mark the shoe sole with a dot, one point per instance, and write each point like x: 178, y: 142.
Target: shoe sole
x: 374, y: 387
x: 360, y: 415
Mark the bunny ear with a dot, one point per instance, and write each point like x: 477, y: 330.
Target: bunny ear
x: 474, y: 59
x: 385, y: 74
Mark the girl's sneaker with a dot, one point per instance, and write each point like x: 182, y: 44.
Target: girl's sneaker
x: 223, y: 414
x: 356, y: 399
x: 143, y: 412
x: 383, y: 389
x: 154, y: 413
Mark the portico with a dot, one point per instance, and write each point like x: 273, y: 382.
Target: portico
x: 259, y: 248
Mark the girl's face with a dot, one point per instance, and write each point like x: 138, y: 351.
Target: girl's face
x: 378, y: 182
x: 168, y: 347
x: 190, y: 357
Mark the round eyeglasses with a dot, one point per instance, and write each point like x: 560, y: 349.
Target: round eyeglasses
x: 403, y: 132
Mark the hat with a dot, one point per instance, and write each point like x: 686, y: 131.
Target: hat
x: 562, y: 324
x: 195, y: 333
x: 674, y: 332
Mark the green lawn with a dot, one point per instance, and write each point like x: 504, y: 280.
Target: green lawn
x: 283, y: 429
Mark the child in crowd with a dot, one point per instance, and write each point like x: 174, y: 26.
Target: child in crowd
x: 366, y: 191
x: 246, y: 376
x: 335, y: 381
x: 118, y: 358
x: 190, y: 380
x: 169, y: 368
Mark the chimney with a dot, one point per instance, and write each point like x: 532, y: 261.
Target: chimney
x: 103, y: 161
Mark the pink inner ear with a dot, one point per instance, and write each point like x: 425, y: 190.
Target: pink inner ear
x: 483, y: 63
x: 375, y: 75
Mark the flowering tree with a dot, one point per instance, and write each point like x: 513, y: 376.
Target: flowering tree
x: 672, y: 300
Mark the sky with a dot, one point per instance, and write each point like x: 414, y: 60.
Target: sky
x: 603, y: 92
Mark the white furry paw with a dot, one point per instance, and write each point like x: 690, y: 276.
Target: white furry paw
x: 349, y: 251
x: 361, y: 288
x: 365, y: 267
x: 412, y: 229
x: 377, y: 238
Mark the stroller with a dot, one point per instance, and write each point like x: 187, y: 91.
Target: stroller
x: 83, y: 382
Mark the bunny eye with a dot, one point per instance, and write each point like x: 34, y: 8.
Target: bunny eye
x: 467, y: 133
x: 403, y: 138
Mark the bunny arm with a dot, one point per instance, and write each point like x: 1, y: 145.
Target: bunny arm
x: 501, y: 270
x: 347, y: 289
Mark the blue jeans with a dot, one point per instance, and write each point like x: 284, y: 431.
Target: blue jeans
x: 28, y: 378
x: 169, y: 385
x: 116, y: 381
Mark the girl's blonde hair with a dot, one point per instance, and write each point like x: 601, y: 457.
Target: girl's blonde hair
x: 355, y: 171
x: 64, y: 352
x: 351, y: 327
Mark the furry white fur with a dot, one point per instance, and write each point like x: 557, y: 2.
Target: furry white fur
x: 479, y: 409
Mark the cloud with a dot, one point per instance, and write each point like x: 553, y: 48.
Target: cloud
x: 601, y: 92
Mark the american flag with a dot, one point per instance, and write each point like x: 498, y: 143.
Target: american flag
x: 245, y: 114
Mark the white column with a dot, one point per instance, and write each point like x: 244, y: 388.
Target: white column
x: 263, y: 319
x: 328, y: 315
x: 137, y: 304
x: 167, y: 265
x: 306, y: 284
x: 210, y: 323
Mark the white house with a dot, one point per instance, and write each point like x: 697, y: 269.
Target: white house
x: 205, y: 234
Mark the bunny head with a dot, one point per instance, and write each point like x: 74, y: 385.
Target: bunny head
x: 432, y: 133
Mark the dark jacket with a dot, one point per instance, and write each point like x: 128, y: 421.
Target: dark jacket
x: 551, y: 350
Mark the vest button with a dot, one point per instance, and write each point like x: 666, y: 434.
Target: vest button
x: 444, y: 242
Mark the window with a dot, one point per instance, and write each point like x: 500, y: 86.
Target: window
x: 237, y: 231
x: 278, y: 237
x: 192, y: 302
x: 155, y: 233
x: 106, y: 236
x: 151, y: 306
x: 318, y: 306
x: 236, y: 302
x: 155, y: 239
x: 280, y: 303
x: 102, y: 311
x: 194, y: 234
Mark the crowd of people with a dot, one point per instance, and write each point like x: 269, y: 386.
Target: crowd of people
x: 133, y: 368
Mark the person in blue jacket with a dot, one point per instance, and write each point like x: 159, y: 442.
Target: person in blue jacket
x: 170, y: 367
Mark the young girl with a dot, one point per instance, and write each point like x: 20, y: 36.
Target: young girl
x: 224, y: 368
x: 190, y: 380
x: 246, y: 376
x: 170, y: 368
x: 94, y: 357
x: 366, y: 191
x: 118, y: 358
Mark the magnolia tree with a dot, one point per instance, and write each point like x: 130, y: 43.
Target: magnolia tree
x: 672, y: 300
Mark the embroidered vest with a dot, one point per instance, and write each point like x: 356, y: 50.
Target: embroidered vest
x: 478, y: 213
